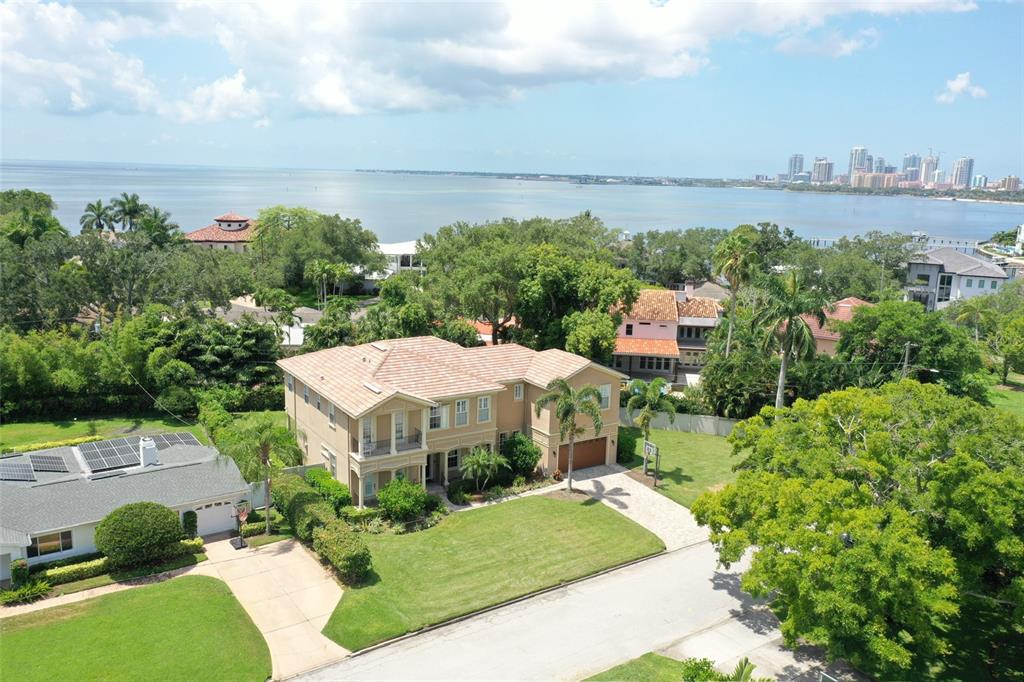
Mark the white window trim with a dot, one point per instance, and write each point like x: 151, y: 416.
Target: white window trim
x: 290, y: 383
x: 317, y: 395
x: 305, y: 394
x: 517, y: 392
x: 464, y: 413
x: 332, y: 420
x: 442, y: 413
x: 480, y: 409
x: 606, y: 395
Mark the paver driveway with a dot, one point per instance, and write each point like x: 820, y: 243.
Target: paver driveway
x: 289, y: 596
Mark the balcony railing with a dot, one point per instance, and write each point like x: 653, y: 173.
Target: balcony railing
x: 413, y: 441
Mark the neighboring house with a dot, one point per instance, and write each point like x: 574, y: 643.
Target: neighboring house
x: 229, y: 232
x: 826, y: 338
x: 399, y: 257
x: 292, y: 335
x: 937, y: 277
x: 665, y: 335
x: 417, y: 406
x: 51, y: 500
x: 702, y: 290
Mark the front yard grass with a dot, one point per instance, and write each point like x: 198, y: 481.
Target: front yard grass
x: 1009, y: 397
x: 650, y: 667
x: 480, y: 558
x: 189, y: 628
x: 18, y: 435
x: 691, y: 463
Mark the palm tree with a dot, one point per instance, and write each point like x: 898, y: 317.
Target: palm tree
x: 789, y: 300
x: 975, y: 312
x: 736, y: 260
x: 261, y: 449
x: 743, y: 672
x: 97, y: 216
x: 319, y: 271
x: 127, y: 209
x: 571, y: 403
x: 648, y: 399
x: 482, y: 463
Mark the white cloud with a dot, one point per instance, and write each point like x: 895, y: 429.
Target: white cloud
x: 960, y: 85
x: 351, y: 58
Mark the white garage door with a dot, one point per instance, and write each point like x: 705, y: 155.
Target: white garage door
x: 215, y: 518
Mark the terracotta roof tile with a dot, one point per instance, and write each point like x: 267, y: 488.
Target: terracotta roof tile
x: 654, y: 304
x: 665, y: 348
x: 231, y: 218
x: 699, y: 307
x: 216, y: 233
x: 842, y: 312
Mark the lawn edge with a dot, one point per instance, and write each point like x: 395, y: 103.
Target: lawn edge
x: 494, y: 607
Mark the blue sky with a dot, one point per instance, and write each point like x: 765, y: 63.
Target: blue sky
x: 631, y: 88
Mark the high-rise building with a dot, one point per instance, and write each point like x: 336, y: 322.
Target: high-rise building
x: 822, y: 171
x: 803, y: 176
x: 938, y: 177
x: 880, y: 164
x: 911, y: 160
x: 928, y: 167
x: 979, y: 182
x: 889, y: 170
x: 869, y: 163
x: 858, y: 160
x: 1010, y: 183
x: 796, y: 165
x: 963, y: 171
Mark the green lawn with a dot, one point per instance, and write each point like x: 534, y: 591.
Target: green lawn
x: 1009, y: 397
x: 127, y: 574
x: 648, y: 668
x: 479, y: 558
x: 691, y: 463
x: 189, y: 628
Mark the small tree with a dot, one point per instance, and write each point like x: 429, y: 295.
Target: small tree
x: 571, y: 403
x: 482, y: 463
x: 401, y: 499
x: 522, y: 454
x: 261, y: 449
x: 138, y: 533
x: 647, y: 400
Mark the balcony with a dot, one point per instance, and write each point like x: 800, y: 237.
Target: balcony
x: 412, y: 442
x: 376, y: 448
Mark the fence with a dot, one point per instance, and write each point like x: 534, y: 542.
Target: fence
x: 258, y: 489
x: 693, y: 423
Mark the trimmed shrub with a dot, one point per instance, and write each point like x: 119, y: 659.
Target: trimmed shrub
x: 138, y: 533
x: 344, y: 550
x: 401, y: 499
x: 213, y: 416
x: 190, y: 522
x: 19, y: 572
x: 522, y: 454
x: 310, y: 511
x: 284, y: 488
x: 73, y: 572
x: 183, y: 547
x: 434, y: 503
x: 70, y: 561
x: 357, y: 516
x: 626, y: 447
x: 331, y: 489
x: 37, y: 589
x: 458, y: 491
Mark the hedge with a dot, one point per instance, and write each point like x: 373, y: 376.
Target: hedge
x: 57, y: 563
x: 190, y: 523
x: 354, y: 515
x: 138, y: 533
x: 73, y: 572
x: 46, y: 445
x: 330, y: 488
x: 301, y: 505
x: 344, y: 549
x: 626, y: 447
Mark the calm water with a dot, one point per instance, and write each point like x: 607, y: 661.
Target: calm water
x: 401, y: 207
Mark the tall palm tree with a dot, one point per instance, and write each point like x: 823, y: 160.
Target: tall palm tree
x: 128, y: 208
x: 571, y: 403
x: 648, y: 399
x: 976, y: 312
x: 261, y: 449
x: 97, y: 216
x: 789, y: 300
x: 736, y: 260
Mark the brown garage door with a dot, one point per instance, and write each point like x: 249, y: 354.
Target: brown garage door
x: 585, y: 453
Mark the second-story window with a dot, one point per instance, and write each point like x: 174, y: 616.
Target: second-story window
x: 438, y: 417
x: 461, y: 412
x: 331, y: 420
x: 305, y: 394
x: 317, y: 395
x: 483, y: 409
x: 629, y: 330
x: 290, y: 383
x: 517, y: 392
x: 606, y: 395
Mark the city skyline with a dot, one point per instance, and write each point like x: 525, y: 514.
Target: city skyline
x: 644, y: 89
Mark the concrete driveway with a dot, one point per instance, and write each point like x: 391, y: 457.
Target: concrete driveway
x: 289, y: 597
x: 679, y: 602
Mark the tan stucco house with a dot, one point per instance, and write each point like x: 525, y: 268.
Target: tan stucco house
x: 228, y: 232
x: 418, y: 405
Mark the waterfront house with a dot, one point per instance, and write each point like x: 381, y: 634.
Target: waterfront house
x: 938, y: 277
x: 228, y: 232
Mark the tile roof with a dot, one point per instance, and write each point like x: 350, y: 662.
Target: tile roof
x: 699, y: 307
x: 711, y: 290
x: 666, y: 348
x: 654, y: 304
x: 231, y: 218
x: 184, y: 474
x: 216, y: 233
x: 426, y: 368
x: 842, y: 311
x: 958, y: 263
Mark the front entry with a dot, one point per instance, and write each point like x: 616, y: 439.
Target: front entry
x: 585, y: 453
x: 433, y: 468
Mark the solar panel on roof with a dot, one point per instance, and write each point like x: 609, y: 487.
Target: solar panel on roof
x: 112, y: 454
x: 16, y: 471
x: 166, y: 440
x: 53, y: 463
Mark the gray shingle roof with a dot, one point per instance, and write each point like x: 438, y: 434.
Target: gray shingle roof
x: 959, y: 263
x: 185, y: 474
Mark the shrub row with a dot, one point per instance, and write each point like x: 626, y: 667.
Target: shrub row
x: 57, y: 563
x: 37, y: 589
x: 329, y: 488
x: 73, y: 572
x: 46, y: 445
x: 356, y: 516
x: 344, y: 549
x: 301, y: 505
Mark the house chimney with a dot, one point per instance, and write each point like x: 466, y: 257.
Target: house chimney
x: 688, y: 288
x: 147, y: 452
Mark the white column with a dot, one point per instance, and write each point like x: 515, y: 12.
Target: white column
x: 423, y: 476
x: 393, y: 444
x: 359, y: 445
x: 425, y: 419
x: 443, y: 463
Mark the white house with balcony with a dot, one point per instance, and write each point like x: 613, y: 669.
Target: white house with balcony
x: 938, y: 277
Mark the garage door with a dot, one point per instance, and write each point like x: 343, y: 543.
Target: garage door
x: 585, y: 453
x: 215, y: 518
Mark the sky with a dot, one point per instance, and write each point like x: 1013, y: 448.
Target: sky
x: 723, y: 89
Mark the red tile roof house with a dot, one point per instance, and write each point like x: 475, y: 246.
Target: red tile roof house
x: 229, y: 232
x: 826, y: 338
x: 664, y: 335
x: 417, y: 406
